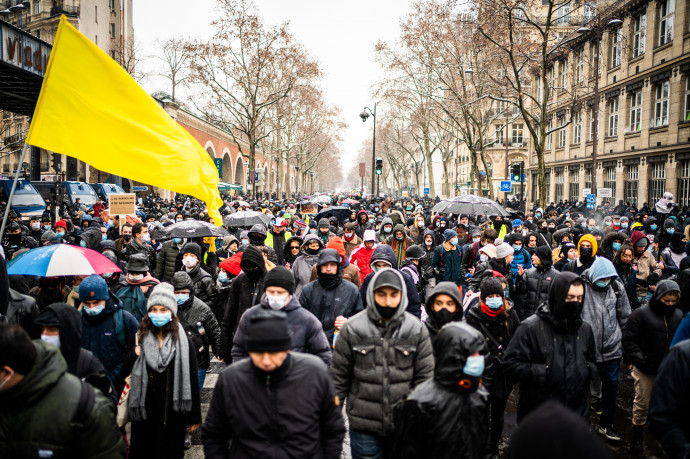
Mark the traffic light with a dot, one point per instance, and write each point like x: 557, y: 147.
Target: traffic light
x: 515, y: 172
x: 379, y: 166
x: 57, y: 164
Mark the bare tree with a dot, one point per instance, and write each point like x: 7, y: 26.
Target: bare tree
x: 127, y: 53
x: 175, y: 57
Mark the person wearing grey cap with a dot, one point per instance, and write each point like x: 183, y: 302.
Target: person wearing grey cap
x: 381, y: 354
x: 276, y: 403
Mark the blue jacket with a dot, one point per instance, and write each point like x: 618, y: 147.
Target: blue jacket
x: 98, y: 335
x: 523, y: 258
x: 450, y: 261
x: 683, y: 331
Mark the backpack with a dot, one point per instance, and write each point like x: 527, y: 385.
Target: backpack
x: 133, y: 301
x: 87, y: 399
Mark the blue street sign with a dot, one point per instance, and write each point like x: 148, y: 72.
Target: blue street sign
x: 591, y: 201
x: 506, y: 186
x: 426, y: 190
x: 140, y: 188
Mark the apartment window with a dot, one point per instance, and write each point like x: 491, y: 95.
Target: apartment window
x: 580, y: 66
x: 561, y: 132
x: 577, y: 128
x: 591, y: 124
x: 593, y: 49
x: 636, y: 110
x: 95, y: 14
x: 113, y: 54
x: 563, y: 14
x: 552, y: 78
x: 517, y: 134
x: 631, y: 185
x: 666, y: 14
x: 657, y: 181
x: 37, y: 6
x: 613, y: 117
x: 661, y: 105
x: 574, y: 187
x: 610, y: 181
x: 639, y: 34
x: 111, y: 4
x: 549, y: 136
x: 564, y: 74
x: 499, y: 135
x: 588, y: 11
x: 687, y: 99
x: 684, y: 184
x: 559, y: 187
x: 535, y: 187
x: 547, y: 185
x: 616, y: 44
x: 112, y: 30
x: 588, y: 178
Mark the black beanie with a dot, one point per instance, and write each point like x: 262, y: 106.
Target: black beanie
x: 280, y: 276
x: 192, y: 248
x: 491, y: 286
x: 267, y: 331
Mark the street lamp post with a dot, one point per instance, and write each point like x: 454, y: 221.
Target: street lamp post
x: 365, y: 115
x: 598, y: 29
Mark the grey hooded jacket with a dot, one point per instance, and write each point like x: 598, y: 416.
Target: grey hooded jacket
x: 301, y: 268
x: 377, y: 363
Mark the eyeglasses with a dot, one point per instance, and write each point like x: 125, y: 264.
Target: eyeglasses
x: 294, y: 247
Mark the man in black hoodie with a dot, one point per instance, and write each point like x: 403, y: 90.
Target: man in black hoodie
x: 534, y: 283
x: 443, y: 306
x: 15, y: 308
x: 552, y: 354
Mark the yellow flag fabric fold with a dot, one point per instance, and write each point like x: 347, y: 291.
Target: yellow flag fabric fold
x: 90, y: 108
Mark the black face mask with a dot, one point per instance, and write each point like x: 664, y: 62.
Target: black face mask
x: 253, y: 273
x: 257, y: 239
x: 572, y: 310
x: 329, y: 281
x: 386, y: 313
x: 127, y: 237
x: 442, y: 317
x: 14, y: 239
x: 312, y: 251
x: 586, y: 253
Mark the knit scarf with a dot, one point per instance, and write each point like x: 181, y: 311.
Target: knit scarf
x: 158, y: 359
x: 490, y: 312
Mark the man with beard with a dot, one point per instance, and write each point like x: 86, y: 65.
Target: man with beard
x: 330, y: 299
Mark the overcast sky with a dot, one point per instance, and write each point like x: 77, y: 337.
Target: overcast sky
x: 340, y: 35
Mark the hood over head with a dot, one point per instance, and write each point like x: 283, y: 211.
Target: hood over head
x: 68, y: 320
x: 252, y: 258
x: 452, y: 345
x: 384, y: 252
x: 227, y: 240
x: 92, y: 238
x: 386, y: 277
x: 556, y: 307
x: 443, y: 288
x: 602, y: 268
x: 544, y: 255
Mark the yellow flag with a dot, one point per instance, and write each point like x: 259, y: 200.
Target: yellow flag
x: 91, y: 109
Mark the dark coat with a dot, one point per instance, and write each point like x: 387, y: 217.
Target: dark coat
x: 290, y: 412
x: 447, y: 263
x: 194, y: 311
x: 53, y: 397
x: 648, y: 334
x: 204, y: 285
x: 432, y: 323
x: 165, y: 266
x: 439, y: 419
x: 534, y: 286
x: 306, y: 333
x: 668, y: 418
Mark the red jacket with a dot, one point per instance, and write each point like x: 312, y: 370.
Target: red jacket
x: 361, y: 257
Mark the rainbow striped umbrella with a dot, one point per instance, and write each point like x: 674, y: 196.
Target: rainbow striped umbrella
x: 60, y: 260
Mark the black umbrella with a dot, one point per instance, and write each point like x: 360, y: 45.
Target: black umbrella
x: 339, y: 212
x: 471, y: 205
x: 246, y: 219
x: 190, y: 229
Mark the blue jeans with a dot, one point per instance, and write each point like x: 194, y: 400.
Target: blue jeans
x: 608, y: 373
x: 365, y: 446
x: 201, y: 372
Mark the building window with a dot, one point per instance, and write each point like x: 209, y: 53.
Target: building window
x: 639, y: 34
x: 111, y: 4
x: 588, y: 179
x: 577, y: 128
x: 574, y: 186
x: 499, y: 135
x: 590, y: 136
x: 561, y: 132
x: 631, y: 185
x: 112, y: 30
x: 616, y: 40
x: 113, y: 54
x: 547, y: 185
x: 613, y: 117
x: 661, y: 105
x: 636, y: 110
x: 517, y: 134
x: 37, y: 6
x: 559, y: 187
x: 552, y: 79
x: 657, y: 182
x: 564, y: 74
x: 684, y: 184
x: 95, y: 14
x: 535, y: 187
x: 610, y: 181
x: 588, y: 11
x: 687, y: 99
x: 549, y: 136
x: 563, y: 14
x: 580, y: 66
x: 666, y: 15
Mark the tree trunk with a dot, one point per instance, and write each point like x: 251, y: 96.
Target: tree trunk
x: 489, y: 185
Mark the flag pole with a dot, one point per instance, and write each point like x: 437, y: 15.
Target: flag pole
x: 14, y: 187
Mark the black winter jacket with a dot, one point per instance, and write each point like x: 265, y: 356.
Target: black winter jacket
x: 243, y: 295
x: 165, y: 265
x: 534, y: 285
x: 194, y: 311
x: 204, y: 285
x: 648, y: 334
x: 290, y: 412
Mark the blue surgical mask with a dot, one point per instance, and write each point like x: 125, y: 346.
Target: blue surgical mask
x: 590, y: 228
x: 454, y: 241
x: 494, y: 303
x: 624, y: 225
x: 653, y: 227
x: 160, y: 319
x: 517, y: 247
x: 602, y: 283
x: 222, y: 277
x: 312, y: 230
x: 670, y: 230
x: 474, y: 366
x: 46, y: 227
x: 177, y: 240
x: 95, y: 310
x: 245, y: 241
x: 181, y: 298
x: 82, y: 243
x: 104, y: 237
x: 616, y: 246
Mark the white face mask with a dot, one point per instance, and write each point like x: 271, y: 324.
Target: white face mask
x: 146, y: 237
x: 52, y: 339
x: 189, y: 261
x: 483, y: 258
x: 277, y: 302
x: 136, y: 277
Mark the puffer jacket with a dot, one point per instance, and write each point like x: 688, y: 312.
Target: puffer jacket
x: 48, y: 427
x: 440, y: 419
x: 306, y: 333
x: 534, y: 285
x: 204, y: 285
x: 165, y: 265
x: 376, y: 363
x: 447, y: 263
x: 606, y: 311
x: 301, y: 268
x: 550, y: 358
x: 649, y: 332
x: 361, y: 258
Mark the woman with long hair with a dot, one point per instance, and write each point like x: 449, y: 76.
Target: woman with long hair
x: 164, y: 395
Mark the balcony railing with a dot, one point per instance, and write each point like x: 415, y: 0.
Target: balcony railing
x: 68, y: 10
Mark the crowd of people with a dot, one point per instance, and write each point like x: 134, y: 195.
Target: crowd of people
x: 413, y: 326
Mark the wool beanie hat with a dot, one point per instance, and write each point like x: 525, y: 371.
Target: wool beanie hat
x: 267, y: 331
x: 324, y: 223
x: 490, y: 286
x: 192, y: 248
x: 163, y: 294
x: 182, y: 281
x: 92, y: 288
x: 503, y: 250
x: 449, y: 234
x: 280, y: 276
x: 369, y: 235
